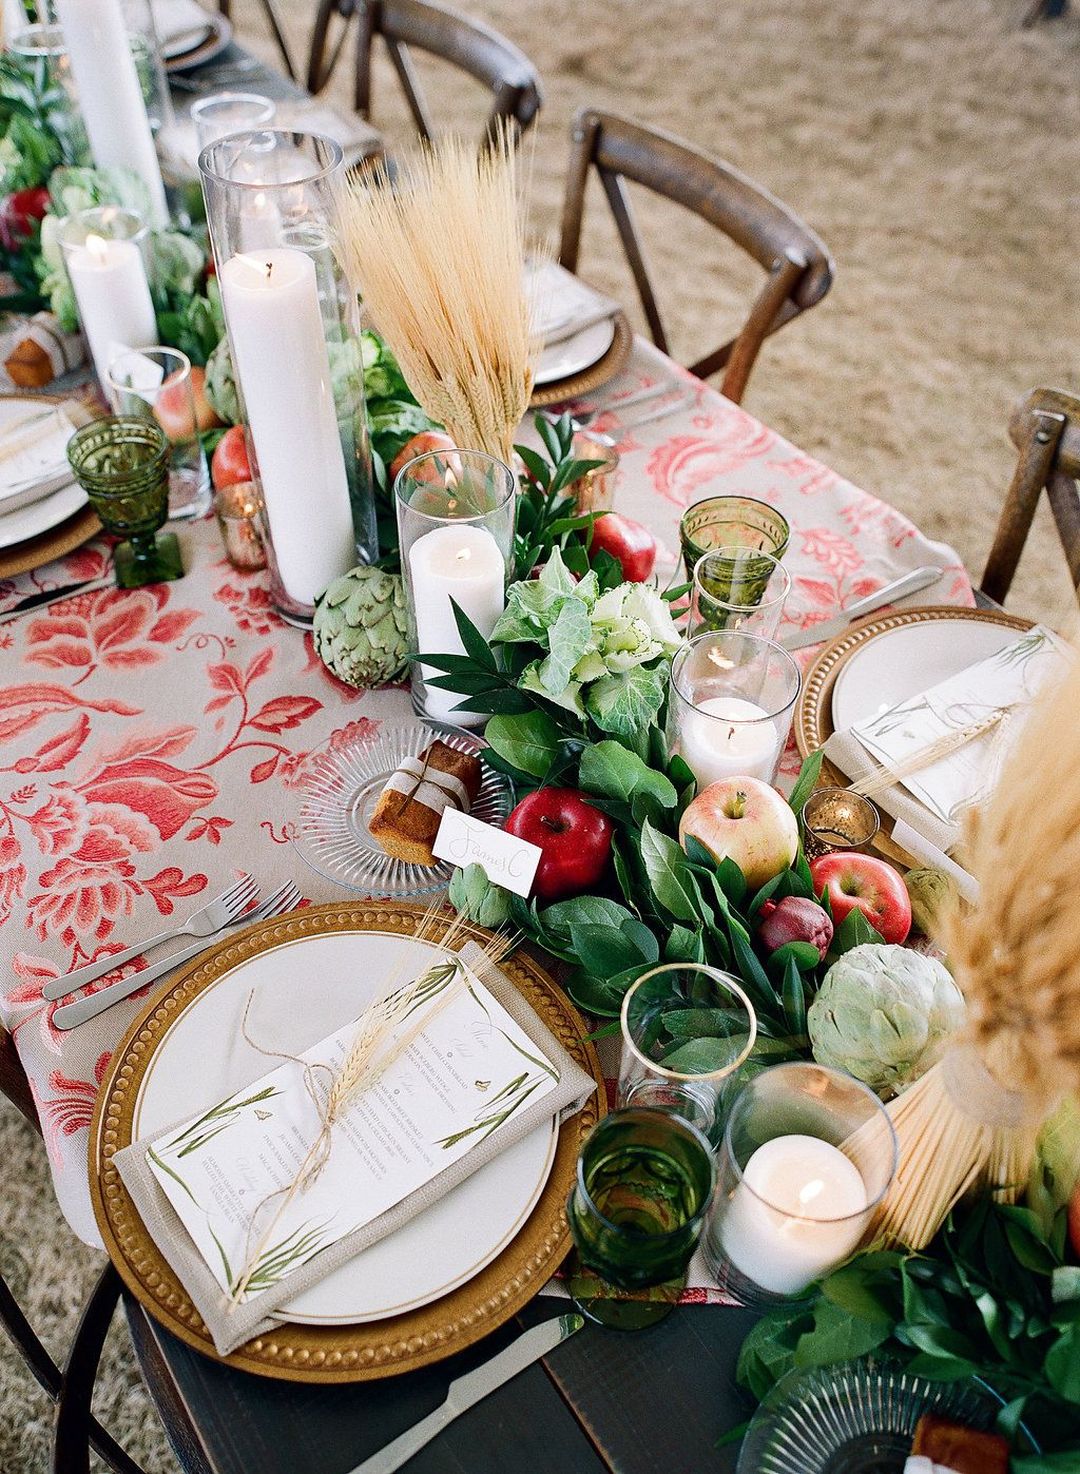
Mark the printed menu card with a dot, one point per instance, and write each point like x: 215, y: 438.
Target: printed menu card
x: 995, y: 692
x: 459, y: 1068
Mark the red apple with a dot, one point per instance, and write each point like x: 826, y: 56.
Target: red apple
x: 18, y: 212
x: 795, y: 919
x: 870, y: 884
x: 1074, y: 1220
x: 575, y: 839
x: 744, y: 820
x: 229, y: 464
x: 172, y: 408
x: 420, y: 445
x: 630, y: 542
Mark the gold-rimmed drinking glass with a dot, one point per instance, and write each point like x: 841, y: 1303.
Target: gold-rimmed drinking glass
x: 686, y: 1028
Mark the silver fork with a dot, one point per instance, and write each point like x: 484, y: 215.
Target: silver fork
x: 202, y: 923
x: 70, y: 1015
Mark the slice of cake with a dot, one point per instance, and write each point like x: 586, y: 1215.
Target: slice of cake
x: 946, y: 1446
x: 410, y: 807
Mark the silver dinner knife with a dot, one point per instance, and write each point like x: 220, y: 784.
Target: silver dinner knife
x: 42, y: 599
x: 472, y: 1388
x: 908, y: 583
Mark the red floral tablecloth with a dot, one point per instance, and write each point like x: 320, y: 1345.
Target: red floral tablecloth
x: 148, y: 739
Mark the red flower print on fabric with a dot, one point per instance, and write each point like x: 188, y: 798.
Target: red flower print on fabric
x: 113, y: 628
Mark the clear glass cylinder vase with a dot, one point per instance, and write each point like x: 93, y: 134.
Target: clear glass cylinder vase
x: 455, y: 517
x: 294, y: 336
x: 40, y: 54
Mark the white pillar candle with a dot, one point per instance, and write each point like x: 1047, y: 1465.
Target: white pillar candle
x: 462, y: 563
x: 745, y: 747
x: 798, y: 1211
x: 113, y: 298
x: 283, y: 368
x: 110, y: 94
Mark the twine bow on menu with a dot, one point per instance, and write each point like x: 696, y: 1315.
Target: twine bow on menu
x: 377, y: 1046
x: 885, y: 776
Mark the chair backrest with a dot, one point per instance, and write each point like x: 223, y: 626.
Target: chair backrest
x: 1045, y: 428
x: 71, y: 1388
x: 457, y: 39
x: 799, y: 269
x: 273, y: 20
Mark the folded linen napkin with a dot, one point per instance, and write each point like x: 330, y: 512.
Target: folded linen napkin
x: 230, y: 1326
x: 846, y: 752
x: 561, y: 304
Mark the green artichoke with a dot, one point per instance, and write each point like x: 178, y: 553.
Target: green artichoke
x: 221, y: 384
x: 929, y: 891
x: 359, y: 627
x: 476, y: 898
x: 884, y: 1014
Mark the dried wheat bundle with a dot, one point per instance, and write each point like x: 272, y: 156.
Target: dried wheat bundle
x: 369, y: 1057
x: 973, y: 1120
x: 438, y: 258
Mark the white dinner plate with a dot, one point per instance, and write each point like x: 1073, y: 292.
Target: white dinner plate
x: 574, y: 355
x: 300, y: 992
x: 49, y: 512
x: 216, y: 37
x: 900, y: 663
x: 15, y: 408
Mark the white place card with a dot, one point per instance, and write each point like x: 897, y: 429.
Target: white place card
x: 227, y: 1172
x: 1006, y: 683
x: 504, y: 859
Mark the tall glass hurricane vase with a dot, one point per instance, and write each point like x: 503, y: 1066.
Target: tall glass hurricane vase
x: 455, y: 517
x: 293, y: 332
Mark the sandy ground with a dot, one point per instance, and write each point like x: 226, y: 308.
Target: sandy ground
x: 936, y: 149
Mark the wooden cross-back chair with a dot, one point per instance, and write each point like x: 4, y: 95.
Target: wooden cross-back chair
x: 273, y: 20
x: 71, y: 1388
x: 1045, y: 428
x: 799, y: 269
x: 456, y: 39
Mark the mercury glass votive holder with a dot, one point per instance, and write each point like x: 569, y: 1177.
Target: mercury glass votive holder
x: 645, y: 1179
x: 731, y: 522
x: 123, y: 466
x: 455, y: 517
x: 238, y: 511
x: 807, y: 1157
x: 595, y: 490
x: 837, y: 819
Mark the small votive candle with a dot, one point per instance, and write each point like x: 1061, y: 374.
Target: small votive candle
x: 595, y: 490
x: 836, y: 819
x: 237, y: 508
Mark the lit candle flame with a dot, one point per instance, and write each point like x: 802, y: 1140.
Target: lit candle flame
x: 98, y: 248
x: 463, y: 554
x: 811, y: 1191
x: 723, y: 662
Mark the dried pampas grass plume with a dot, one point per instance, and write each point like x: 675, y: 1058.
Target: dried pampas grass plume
x: 973, y: 1120
x: 438, y: 258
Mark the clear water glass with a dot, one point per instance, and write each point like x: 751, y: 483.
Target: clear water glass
x: 156, y: 383
x: 686, y: 1028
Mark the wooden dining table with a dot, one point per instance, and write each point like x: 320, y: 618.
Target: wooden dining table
x: 658, y: 1400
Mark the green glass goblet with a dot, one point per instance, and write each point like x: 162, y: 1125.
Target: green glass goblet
x: 732, y: 522
x: 123, y: 466
x: 645, y: 1180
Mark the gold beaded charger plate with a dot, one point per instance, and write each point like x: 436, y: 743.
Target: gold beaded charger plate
x: 505, y: 1244
x: 888, y: 658
x: 611, y: 363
